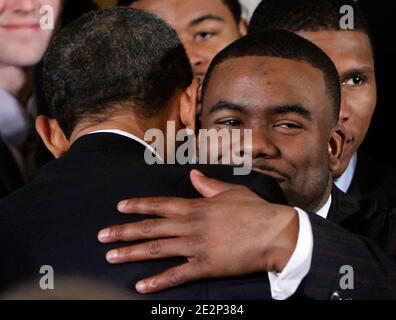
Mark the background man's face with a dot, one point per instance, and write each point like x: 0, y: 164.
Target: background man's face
x: 288, y: 108
x: 204, y: 26
x: 22, y: 41
x: 352, y: 54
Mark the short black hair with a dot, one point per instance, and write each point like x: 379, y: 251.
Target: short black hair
x: 287, y: 45
x: 306, y: 15
x: 233, y: 5
x: 113, y: 58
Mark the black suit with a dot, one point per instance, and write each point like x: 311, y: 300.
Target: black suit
x: 373, y: 181
x: 55, y: 219
x: 10, y: 176
x: 358, y: 235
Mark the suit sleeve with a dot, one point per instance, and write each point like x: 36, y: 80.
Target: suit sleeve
x: 373, y: 273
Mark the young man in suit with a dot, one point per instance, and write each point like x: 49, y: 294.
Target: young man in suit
x: 205, y: 27
x: 352, y: 51
x: 22, y: 45
x: 108, y: 78
x: 287, y: 91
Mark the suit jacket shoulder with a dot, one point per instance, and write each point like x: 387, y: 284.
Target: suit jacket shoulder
x: 374, y: 181
x: 351, y: 239
x: 55, y: 219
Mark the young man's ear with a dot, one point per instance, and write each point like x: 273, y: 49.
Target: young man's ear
x: 336, y: 150
x: 243, y: 27
x: 188, y: 105
x: 52, y: 136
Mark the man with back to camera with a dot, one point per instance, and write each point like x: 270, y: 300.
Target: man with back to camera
x: 96, y: 134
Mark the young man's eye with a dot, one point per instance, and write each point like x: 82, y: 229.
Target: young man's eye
x: 354, y: 81
x: 230, y: 123
x: 288, y: 125
x: 204, y: 35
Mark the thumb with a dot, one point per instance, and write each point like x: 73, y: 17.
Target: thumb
x: 209, y: 187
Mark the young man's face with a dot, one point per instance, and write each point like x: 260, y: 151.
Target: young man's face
x: 204, y: 26
x: 352, y: 54
x: 287, y: 106
x: 22, y: 41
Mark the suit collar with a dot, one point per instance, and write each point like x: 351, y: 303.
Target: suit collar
x: 107, y: 143
x: 342, y: 206
x: 130, y: 136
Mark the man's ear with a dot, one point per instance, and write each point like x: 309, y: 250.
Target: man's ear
x: 243, y: 27
x: 336, y: 150
x: 188, y: 105
x: 52, y: 136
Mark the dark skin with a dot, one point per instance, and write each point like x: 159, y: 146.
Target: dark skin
x: 289, y: 143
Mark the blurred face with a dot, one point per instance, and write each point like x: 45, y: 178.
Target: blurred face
x: 204, y: 26
x: 287, y: 106
x: 22, y: 41
x: 352, y: 54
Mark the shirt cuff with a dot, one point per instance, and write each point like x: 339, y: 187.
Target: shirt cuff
x: 285, y: 284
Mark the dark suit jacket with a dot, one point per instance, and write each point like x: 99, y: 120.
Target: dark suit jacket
x: 10, y: 176
x: 55, y: 219
x: 355, y: 234
x: 374, y: 181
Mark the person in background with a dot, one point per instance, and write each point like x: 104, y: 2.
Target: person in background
x: 22, y: 44
x: 205, y: 27
x: 371, y: 183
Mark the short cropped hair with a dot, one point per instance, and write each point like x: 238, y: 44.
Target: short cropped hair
x: 286, y: 45
x: 113, y: 58
x: 306, y: 15
x: 233, y: 5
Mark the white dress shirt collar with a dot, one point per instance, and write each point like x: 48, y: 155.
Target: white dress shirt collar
x: 324, y: 211
x: 130, y: 136
x: 344, y: 182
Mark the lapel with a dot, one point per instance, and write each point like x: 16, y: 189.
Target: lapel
x: 342, y: 206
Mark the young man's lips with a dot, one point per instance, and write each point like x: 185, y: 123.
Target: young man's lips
x: 17, y: 27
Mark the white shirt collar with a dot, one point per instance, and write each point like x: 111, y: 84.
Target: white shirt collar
x: 344, y: 182
x: 324, y: 211
x: 130, y: 136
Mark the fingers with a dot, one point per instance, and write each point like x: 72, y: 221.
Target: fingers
x: 146, y: 229
x: 173, y: 277
x: 163, y: 206
x: 209, y: 187
x: 151, y: 250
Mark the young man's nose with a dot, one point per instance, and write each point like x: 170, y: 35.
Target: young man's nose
x: 345, y: 111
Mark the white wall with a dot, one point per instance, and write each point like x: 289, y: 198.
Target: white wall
x: 249, y: 5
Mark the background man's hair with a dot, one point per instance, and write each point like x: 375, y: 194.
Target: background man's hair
x: 233, y: 5
x: 286, y: 45
x: 113, y: 59
x: 306, y: 15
